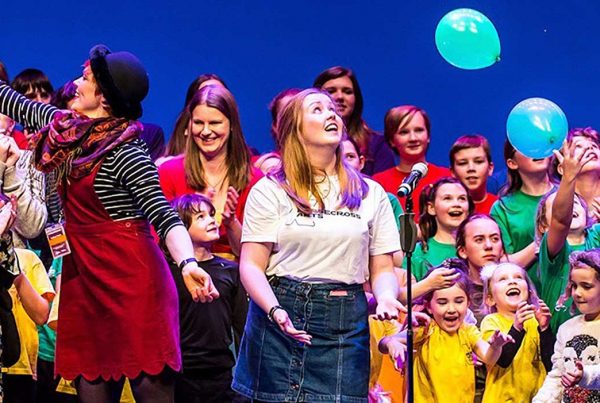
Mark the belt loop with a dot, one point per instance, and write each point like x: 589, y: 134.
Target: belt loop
x: 308, y: 289
x: 273, y: 281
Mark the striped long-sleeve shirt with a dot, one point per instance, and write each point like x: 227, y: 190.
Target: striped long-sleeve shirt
x: 127, y: 181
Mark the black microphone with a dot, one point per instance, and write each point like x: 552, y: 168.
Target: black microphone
x: 418, y: 171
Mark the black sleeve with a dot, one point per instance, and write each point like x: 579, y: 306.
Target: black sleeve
x: 547, y: 340
x: 240, y: 311
x: 509, y: 350
x: 33, y: 115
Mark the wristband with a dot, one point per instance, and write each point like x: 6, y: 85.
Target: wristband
x: 272, y: 312
x: 186, y: 261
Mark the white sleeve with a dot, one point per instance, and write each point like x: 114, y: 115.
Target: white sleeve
x: 591, y: 377
x: 552, y: 389
x: 27, y: 184
x: 383, y: 234
x: 261, y: 213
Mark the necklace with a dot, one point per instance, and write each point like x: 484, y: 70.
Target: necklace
x: 321, y: 187
x: 218, y: 185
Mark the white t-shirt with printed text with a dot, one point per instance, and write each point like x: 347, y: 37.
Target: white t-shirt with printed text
x: 330, y: 245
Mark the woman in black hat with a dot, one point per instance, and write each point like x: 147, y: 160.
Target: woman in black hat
x: 118, y: 311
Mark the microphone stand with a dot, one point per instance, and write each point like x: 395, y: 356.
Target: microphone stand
x: 408, y: 239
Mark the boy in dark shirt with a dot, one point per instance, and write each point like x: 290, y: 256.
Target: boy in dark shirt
x: 206, y: 329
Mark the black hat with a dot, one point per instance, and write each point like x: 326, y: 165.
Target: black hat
x: 122, y: 80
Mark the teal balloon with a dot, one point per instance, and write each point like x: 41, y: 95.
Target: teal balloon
x: 467, y: 39
x: 536, y: 126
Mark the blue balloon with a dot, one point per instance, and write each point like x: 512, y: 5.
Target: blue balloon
x: 536, y: 126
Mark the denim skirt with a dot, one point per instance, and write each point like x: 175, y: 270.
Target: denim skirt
x: 273, y: 367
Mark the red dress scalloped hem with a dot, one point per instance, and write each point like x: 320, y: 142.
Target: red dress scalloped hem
x: 115, y: 376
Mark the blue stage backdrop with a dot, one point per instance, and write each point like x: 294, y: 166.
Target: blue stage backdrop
x: 550, y: 49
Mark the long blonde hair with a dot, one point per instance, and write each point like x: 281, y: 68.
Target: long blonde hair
x: 297, y: 176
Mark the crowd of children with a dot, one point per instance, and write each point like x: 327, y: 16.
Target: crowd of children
x: 506, y: 286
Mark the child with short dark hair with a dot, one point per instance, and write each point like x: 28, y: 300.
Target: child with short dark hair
x: 206, y: 328
x: 471, y: 163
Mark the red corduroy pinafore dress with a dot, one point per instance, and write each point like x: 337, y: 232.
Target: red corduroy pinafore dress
x: 118, y: 312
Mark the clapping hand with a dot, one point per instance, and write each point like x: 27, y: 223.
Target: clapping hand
x: 543, y: 315
x: 230, y: 206
x: 524, y: 312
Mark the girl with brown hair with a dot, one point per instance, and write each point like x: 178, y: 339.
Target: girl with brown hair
x: 216, y: 163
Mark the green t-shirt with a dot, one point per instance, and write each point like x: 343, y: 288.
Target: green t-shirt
x: 515, y: 214
x: 46, y: 335
x: 554, y: 274
x: 436, y: 254
x: 396, y: 208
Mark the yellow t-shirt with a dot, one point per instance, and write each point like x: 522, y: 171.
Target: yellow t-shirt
x: 443, y: 367
x: 525, y: 375
x: 34, y: 271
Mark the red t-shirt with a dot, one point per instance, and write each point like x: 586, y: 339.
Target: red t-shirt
x: 485, y: 206
x: 173, y: 183
x: 392, y: 178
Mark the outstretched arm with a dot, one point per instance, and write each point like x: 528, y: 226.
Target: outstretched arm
x: 572, y: 159
x: 33, y: 115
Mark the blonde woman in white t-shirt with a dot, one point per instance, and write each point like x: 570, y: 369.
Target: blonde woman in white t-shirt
x: 314, y: 231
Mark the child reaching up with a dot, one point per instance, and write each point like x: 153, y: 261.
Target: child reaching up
x: 515, y: 309
x: 574, y: 363
x: 562, y: 227
x: 443, y: 363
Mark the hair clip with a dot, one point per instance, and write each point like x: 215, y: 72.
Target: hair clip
x: 560, y: 308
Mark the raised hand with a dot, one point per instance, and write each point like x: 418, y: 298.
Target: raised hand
x: 230, y: 206
x: 572, y: 157
x: 524, y: 312
x: 543, y: 315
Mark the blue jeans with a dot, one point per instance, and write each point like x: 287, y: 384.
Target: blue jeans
x: 334, y: 368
